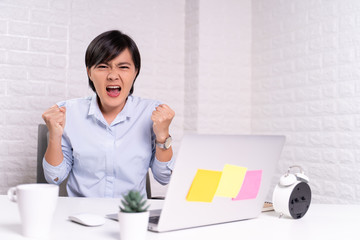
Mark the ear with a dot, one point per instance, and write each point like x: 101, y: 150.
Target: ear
x: 88, y: 70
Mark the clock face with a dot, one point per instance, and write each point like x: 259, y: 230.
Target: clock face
x: 300, y: 199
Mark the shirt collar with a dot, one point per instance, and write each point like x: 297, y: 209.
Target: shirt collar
x: 94, y: 108
x: 126, y: 112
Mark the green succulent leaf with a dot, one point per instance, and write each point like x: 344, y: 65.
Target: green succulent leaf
x: 124, y: 203
x: 134, y: 202
x: 127, y: 198
x: 142, y: 204
x: 146, y: 208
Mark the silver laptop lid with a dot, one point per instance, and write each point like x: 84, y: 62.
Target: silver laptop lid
x: 214, y: 152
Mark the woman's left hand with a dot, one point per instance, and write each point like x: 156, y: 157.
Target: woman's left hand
x: 162, y: 117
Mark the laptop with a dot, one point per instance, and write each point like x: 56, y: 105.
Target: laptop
x: 218, y: 179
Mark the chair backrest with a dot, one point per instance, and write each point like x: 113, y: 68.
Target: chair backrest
x: 41, y: 149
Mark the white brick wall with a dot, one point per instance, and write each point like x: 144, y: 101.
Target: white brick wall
x: 42, y: 47
x: 191, y: 79
x: 305, y: 85
x: 224, y: 67
x: 261, y: 66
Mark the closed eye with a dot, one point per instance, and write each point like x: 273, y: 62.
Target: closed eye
x: 101, y: 66
x: 123, y: 65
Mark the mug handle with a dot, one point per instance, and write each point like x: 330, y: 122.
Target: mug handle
x: 12, y: 194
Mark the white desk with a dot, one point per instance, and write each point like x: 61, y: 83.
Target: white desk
x: 321, y: 222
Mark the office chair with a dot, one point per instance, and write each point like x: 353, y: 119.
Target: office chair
x: 41, y: 149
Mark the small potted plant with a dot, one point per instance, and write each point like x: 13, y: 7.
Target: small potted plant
x: 133, y: 216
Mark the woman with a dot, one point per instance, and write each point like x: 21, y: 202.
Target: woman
x: 106, y: 143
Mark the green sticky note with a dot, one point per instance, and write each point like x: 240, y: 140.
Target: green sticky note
x: 204, y: 186
x: 231, y: 181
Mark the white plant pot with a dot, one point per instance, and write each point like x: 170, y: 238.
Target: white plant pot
x: 133, y: 226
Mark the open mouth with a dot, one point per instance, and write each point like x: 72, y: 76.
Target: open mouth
x: 113, y: 91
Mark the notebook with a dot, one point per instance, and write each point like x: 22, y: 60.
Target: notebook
x: 218, y: 179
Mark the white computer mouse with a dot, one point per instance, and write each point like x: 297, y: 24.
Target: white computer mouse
x: 88, y: 219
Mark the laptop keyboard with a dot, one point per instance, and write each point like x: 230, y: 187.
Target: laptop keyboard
x: 154, y: 219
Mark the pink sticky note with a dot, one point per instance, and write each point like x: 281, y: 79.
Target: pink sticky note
x: 251, y: 185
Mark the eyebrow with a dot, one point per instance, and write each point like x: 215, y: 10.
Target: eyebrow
x: 123, y: 63
x: 118, y: 64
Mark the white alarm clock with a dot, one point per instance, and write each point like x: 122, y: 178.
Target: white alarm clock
x: 292, y: 195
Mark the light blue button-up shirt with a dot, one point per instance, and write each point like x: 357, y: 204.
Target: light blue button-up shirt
x: 105, y: 160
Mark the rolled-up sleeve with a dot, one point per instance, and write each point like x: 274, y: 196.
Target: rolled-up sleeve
x: 162, y: 170
x: 57, y: 174
x: 54, y: 174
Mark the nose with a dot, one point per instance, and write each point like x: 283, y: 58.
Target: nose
x: 113, y: 75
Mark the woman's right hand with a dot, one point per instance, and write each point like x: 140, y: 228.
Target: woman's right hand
x: 54, y: 118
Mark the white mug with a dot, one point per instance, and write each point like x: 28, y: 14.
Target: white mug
x: 37, y: 203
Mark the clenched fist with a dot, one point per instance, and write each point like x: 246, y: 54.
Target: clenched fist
x: 54, y: 118
x: 162, y: 117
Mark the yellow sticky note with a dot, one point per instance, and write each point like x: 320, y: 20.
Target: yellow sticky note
x: 231, y: 181
x: 204, y: 186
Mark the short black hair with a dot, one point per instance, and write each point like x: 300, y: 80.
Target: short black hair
x: 108, y: 46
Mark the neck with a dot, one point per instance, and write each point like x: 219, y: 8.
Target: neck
x: 109, y: 113
x: 109, y: 117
